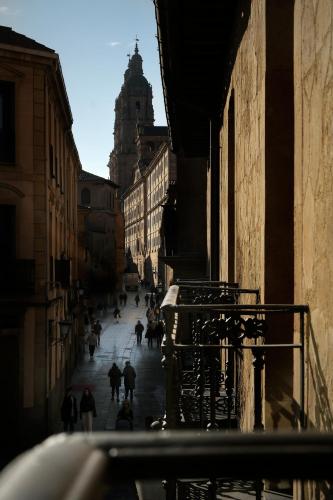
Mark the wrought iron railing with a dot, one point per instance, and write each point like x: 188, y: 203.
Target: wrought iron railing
x: 204, y: 345
x: 203, y: 349
x: 84, y: 466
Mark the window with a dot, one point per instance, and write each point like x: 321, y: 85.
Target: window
x: 85, y: 196
x: 7, y: 122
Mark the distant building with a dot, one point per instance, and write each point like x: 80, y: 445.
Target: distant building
x: 133, y: 107
x: 101, y: 237
x: 143, y: 213
x: 39, y: 167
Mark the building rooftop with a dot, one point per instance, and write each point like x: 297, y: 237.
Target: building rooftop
x: 87, y: 176
x: 10, y: 37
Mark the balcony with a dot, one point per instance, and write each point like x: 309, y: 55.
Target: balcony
x: 17, y: 277
x: 218, y: 338
x: 207, y: 334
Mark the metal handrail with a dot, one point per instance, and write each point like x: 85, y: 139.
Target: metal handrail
x: 71, y: 467
x: 213, y: 328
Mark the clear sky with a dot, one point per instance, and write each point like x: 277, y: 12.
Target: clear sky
x: 92, y: 39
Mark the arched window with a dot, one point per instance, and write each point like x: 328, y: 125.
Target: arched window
x: 85, y: 196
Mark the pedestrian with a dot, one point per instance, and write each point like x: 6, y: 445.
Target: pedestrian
x: 159, y: 332
x: 92, y: 342
x: 146, y: 299
x: 115, y: 381
x: 125, y: 298
x: 157, y: 312
x: 129, y: 379
x: 87, y: 409
x: 150, y: 333
x: 138, y: 331
x: 69, y: 410
x: 150, y: 314
x: 125, y: 417
x: 86, y: 322
x: 152, y: 301
x: 116, y: 314
x: 98, y: 331
x: 137, y: 299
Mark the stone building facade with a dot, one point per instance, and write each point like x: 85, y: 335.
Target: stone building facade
x: 143, y: 208
x: 260, y: 138
x: 39, y: 167
x: 101, y: 238
x: 133, y: 107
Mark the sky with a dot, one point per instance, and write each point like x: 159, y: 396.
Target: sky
x: 92, y: 39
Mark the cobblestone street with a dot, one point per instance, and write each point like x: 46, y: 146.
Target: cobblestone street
x: 118, y: 344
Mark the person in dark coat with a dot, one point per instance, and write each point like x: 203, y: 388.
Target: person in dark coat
x: 69, y: 410
x: 150, y: 333
x: 125, y: 414
x: 138, y: 331
x: 129, y: 379
x: 137, y: 299
x: 159, y: 332
x: 116, y: 314
x: 98, y: 331
x: 87, y: 409
x: 125, y: 298
x: 146, y: 299
x: 115, y: 380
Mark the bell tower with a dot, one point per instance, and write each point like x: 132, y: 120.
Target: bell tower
x: 133, y: 107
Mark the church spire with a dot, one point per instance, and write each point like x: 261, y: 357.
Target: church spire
x: 134, y: 63
x: 136, y: 50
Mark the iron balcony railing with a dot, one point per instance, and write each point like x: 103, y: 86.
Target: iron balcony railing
x: 203, y: 351
x: 85, y: 466
x: 17, y: 277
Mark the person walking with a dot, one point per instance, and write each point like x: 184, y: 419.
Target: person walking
x: 146, y: 299
x: 138, y: 331
x: 159, y: 332
x: 98, y: 331
x: 152, y: 301
x: 87, y: 409
x: 69, y: 410
x: 129, y: 375
x: 125, y: 417
x: 150, y: 333
x: 125, y: 298
x: 137, y: 299
x: 92, y: 342
x: 116, y: 314
x: 115, y: 380
x: 150, y: 314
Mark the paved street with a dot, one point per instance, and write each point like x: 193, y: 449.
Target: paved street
x: 118, y: 344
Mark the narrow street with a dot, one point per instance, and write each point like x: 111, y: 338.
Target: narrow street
x: 118, y: 344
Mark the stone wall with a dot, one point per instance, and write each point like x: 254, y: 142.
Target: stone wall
x: 247, y: 88
x: 314, y: 199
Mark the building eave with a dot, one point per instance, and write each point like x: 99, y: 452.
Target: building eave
x: 196, y: 57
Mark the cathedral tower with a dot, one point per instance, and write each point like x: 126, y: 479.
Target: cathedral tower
x: 133, y: 107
